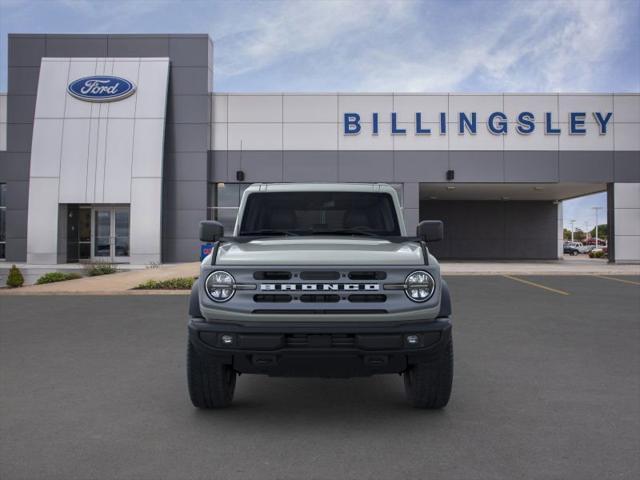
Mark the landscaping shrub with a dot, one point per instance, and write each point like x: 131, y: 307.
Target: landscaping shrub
x: 52, y: 277
x: 597, y: 254
x: 95, y: 269
x: 15, y: 278
x: 180, y: 283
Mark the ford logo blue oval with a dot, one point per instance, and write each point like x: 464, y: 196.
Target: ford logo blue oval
x: 101, y: 88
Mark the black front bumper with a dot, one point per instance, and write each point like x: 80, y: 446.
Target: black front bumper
x: 320, y: 349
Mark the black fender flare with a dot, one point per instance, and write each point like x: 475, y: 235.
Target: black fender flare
x: 194, y: 301
x: 445, y: 301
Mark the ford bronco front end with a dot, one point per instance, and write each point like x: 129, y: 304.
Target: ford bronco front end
x: 320, y: 280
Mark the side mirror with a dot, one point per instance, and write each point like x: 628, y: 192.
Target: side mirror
x: 430, y: 231
x: 211, y: 231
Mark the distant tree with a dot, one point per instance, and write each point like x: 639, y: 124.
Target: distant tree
x: 603, y: 231
x: 566, y: 234
x: 579, y: 235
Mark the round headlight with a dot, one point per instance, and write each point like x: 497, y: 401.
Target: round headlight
x: 419, y: 286
x: 220, y: 286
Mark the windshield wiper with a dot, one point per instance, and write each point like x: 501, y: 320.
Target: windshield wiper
x: 270, y: 231
x: 350, y: 231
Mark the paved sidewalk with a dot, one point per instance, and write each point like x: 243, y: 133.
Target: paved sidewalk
x: 568, y: 266
x: 124, y: 282
x: 116, y: 283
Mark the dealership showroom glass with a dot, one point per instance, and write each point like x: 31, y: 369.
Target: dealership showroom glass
x: 114, y: 147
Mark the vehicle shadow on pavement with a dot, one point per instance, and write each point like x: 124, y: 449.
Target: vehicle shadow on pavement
x: 287, y: 401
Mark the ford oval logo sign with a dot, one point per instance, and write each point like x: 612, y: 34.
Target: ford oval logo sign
x: 101, y: 88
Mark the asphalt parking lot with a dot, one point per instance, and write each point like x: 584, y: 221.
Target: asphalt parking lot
x: 547, y: 385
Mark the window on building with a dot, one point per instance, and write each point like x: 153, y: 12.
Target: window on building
x: 3, y: 220
x: 223, y: 203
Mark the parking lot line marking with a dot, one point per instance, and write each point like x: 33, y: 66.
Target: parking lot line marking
x: 618, y: 279
x: 534, y: 284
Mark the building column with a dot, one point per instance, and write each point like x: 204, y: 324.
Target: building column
x: 42, y: 221
x: 145, y: 221
x: 623, y: 208
x: 560, y: 237
x: 411, y: 206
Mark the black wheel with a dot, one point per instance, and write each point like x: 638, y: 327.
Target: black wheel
x: 428, y: 385
x: 211, y: 383
x: 574, y: 253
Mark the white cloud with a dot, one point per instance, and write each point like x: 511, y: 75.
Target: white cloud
x: 532, y: 46
x: 297, y: 29
x: 377, y: 45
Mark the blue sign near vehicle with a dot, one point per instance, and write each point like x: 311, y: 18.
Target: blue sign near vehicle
x: 205, y: 249
x: 101, y: 88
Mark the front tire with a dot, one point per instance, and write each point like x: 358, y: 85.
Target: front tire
x: 428, y: 385
x: 211, y: 383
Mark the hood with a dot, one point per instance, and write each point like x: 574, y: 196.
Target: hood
x: 320, y: 251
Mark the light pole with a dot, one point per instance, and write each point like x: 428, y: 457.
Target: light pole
x: 586, y: 231
x: 572, y: 222
x: 596, y: 210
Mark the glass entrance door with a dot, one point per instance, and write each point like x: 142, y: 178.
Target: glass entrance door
x: 111, y: 234
x: 121, y: 233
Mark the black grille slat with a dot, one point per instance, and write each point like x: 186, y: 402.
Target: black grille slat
x: 364, y: 298
x: 271, y: 298
x: 296, y: 340
x: 343, y: 340
x: 320, y: 341
x: 367, y: 275
x: 320, y: 275
x: 319, y: 298
x: 272, y: 275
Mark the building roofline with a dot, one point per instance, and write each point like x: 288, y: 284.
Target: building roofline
x: 106, y: 35
x: 434, y: 94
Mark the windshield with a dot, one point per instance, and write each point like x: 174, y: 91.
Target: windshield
x: 320, y: 213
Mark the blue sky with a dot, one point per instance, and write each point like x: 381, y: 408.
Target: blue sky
x: 377, y: 45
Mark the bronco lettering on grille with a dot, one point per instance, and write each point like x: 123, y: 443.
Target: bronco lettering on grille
x: 322, y: 287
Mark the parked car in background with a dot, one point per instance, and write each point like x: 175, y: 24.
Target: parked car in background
x: 572, y: 248
x: 592, y: 241
x: 586, y: 248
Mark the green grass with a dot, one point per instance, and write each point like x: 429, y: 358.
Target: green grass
x: 180, y: 283
x: 53, y: 277
x: 93, y: 270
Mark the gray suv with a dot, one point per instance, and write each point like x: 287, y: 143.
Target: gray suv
x: 320, y: 280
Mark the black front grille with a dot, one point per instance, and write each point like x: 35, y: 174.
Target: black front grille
x: 271, y: 298
x: 363, y: 298
x: 367, y: 275
x: 320, y: 341
x: 319, y: 298
x: 272, y: 275
x: 319, y: 275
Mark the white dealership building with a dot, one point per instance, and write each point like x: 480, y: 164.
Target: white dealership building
x: 114, y: 147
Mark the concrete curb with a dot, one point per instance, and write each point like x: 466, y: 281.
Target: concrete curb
x: 19, y: 292
x: 529, y: 273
